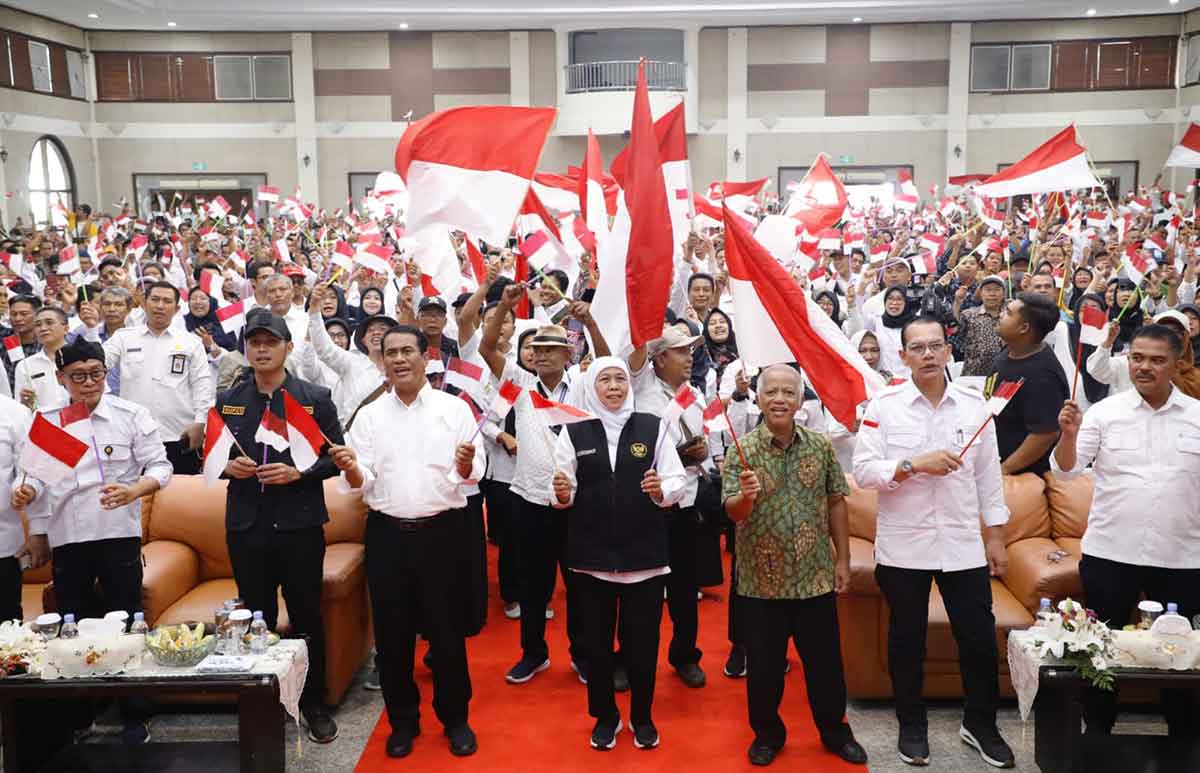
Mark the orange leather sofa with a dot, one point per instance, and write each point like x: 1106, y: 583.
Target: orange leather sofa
x: 187, y: 572
x: 1046, y: 515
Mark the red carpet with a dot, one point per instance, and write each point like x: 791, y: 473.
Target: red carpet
x: 543, y: 725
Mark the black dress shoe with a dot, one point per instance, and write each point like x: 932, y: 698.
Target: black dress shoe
x: 400, y: 742
x: 851, y: 751
x: 321, y: 727
x: 761, y: 754
x: 462, y: 741
x: 692, y: 675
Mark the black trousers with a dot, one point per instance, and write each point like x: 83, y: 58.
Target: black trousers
x: 293, y: 561
x: 736, y: 635
x: 639, y: 606
x: 115, y: 563
x: 968, y: 598
x: 1112, y: 589
x: 475, y: 562
x: 682, y: 604
x: 184, y: 460
x: 414, y: 584
x: 542, y: 532
x: 501, y: 529
x: 10, y: 589
x: 812, y: 624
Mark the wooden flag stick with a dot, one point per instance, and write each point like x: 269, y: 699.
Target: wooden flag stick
x: 978, y: 432
x: 1078, y: 356
x: 736, y: 443
x: 1137, y: 292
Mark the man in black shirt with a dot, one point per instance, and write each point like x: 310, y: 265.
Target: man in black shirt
x: 1027, y: 429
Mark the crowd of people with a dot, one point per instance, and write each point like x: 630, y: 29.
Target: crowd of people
x: 126, y: 317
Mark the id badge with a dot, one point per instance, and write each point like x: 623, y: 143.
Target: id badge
x: 178, y: 364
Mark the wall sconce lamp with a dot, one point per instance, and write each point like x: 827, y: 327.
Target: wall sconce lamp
x: 958, y: 151
x: 3, y: 155
x: 737, y: 156
x: 307, y: 160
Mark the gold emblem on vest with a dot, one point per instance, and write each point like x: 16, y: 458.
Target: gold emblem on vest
x: 639, y: 450
x: 233, y: 410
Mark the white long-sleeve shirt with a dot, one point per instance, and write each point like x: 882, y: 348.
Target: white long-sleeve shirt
x: 14, y: 432
x: 1109, y: 369
x: 406, y: 453
x: 357, y: 376
x: 534, y: 467
x: 38, y: 372
x: 167, y: 373
x: 927, y: 521
x: 1146, y: 467
x: 652, y: 395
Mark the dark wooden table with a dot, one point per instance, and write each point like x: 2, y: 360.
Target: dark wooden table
x: 1061, y: 747
x: 259, y: 748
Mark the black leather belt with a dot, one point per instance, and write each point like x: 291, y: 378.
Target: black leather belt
x: 413, y: 524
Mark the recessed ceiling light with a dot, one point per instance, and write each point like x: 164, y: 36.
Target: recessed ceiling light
x: 93, y: 16
x: 171, y: 24
x: 1174, y: 2
x: 403, y: 25
x: 856, y: 19
x: 1091, y: 12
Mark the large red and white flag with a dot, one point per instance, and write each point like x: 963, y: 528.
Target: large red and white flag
x: 637, y: 265
x: 818, y: 200
x: 559, y: 191
x: 782, y: 324
x: 1137, y: 263
x: 304, y: 434
x: 12, y: 347
x: 232, y: 317
x: 470, y: 167
x: 1059, y: 164
x: 553, y: 414
x: 52, y: 453
x: 218, y: 442
x: 671, y: 135
x: 272, y: 431
x: 1093, y: 326
x: 591, y: 188
x: 1187, y: 152
x: 342, y: 256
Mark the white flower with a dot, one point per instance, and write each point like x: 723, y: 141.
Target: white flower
x: 1098, y: 662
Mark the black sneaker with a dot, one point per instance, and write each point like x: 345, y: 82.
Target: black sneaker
x: 581, y: 669
x: 604, y: 734
x: 524, y: 670
x: 913, y: 746
x: 134, y: 733
x: 989, y: 744
x: 321, y: 727
x: 762, y: 754
x: 692, y: 675
x: 462, y: 741
x: 620, y: 679
x: 735, y: 666
x: 400, y: 742
x: 645, y: 735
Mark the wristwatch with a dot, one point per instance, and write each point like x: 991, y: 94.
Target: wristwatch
x: 906, y: 467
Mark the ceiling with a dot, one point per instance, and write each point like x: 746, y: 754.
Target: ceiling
x: 344, y: 15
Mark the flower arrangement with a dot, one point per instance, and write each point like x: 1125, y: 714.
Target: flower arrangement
x: 1076, y: 636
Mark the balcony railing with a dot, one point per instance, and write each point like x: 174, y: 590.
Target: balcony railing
x: 622, y: 76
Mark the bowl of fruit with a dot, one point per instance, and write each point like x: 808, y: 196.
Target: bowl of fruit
x: 181, y: 645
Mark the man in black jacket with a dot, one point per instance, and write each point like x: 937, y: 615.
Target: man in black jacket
x: 274, y: 512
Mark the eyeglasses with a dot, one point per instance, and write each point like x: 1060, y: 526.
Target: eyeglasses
x: 937, y: 347
x: 82, y: 377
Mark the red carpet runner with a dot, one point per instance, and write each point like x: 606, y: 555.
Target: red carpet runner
x: 543, y: 725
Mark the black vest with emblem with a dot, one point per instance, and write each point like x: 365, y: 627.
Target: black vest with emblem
x: 613, y: 526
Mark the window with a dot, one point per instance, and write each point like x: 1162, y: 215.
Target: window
x: 39, y: 62
x: 628, y: 45
x: 51, y: 179
x: 989, y: 68
x: 75, y: 74
x: 1192, y: 73
x: 1031, y: 67
x: 1079, y: 65
x: 272, y: 77
x: 232, y: 75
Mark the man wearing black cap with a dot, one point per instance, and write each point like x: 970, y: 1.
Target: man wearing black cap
x: 431, y: 320
x: 274, y: 512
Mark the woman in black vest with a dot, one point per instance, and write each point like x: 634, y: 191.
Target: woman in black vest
x: 605, y: 472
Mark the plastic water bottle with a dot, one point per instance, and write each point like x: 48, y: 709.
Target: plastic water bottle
x: 258, y: 634
x: 69, y: 630
x: 1172, y: 608
x: 139, y: 624
x: 1044, y: 612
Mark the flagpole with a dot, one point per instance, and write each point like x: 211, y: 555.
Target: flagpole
x: 1078, y: 356
x: 978, y: 432
x: 736, y: 443
x: 1137, y: 291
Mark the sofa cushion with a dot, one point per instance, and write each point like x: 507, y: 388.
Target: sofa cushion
x: 187, y: 511
x: 1032, y: 576
x: 862, y: 567
x: 345, y: 570
x: 31, y: 599
x: 861, y: 507
x: 171, y: 570
x: 1028, y: 515
x: 941, y: 650
x: 1070, y: 499
x: 200, y: 603
x: 347, y: 515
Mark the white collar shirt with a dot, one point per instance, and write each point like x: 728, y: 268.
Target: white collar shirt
x: 357, y: 376
x: 38, y: 372
x: 406, y: 453
x: 930, y: 522
x: 168, y: 373
x: 1146, y: 472
x: 652, y: 395
x: 14, y: 432
x: 533, y: 470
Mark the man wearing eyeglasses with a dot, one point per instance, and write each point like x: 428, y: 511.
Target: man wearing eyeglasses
x: 166, y: 370
x: 33, y: 381
x: 931, y: 499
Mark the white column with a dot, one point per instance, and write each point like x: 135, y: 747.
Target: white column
x: 518, y: 68
x: 958, y: 91
x: 4, y: 200
x: 304, y: 103
x: 735, y: 111
x: 92, y: 95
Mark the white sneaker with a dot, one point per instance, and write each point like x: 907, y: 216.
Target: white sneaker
x: 549, y: 613
x: 512, y: 611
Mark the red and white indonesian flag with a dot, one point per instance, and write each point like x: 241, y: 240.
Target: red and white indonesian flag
x: 268, y: 193
x: 684, y: 402
x: 51, y: 453
x: 740, y: 197
x: 219, y: 208
x: 218, y: 442
x: 68, y: 261
x: 1137, y: 263
x: 906, y: 202
x: 671, y: 136
x: 933, y: 243
x: 818, y: 200
x: 714, y: 417
x: 561, y: 192
x: 211, y: 283
x: 77, y: 419
x: 538, y: 250
x: 272, y: 431
x: 924, y: 263
x: 992, y: 217
x: 375, y: 257
x: 342, y: 256
x: 591, y: 189
x: 505, y: 399
x: 553, y: 414
x: 637, y: 263
x: 829, y: 239
x: 469, y: 167
x: 12, y: 346
x: 13, y: 261
x: 1060, y: 164
x: 782, y: 324
x: 282, y: 251
x: 232, y: 317
x: 1187, y: 152
x: 1093, y: 326
x: 1139, y: 203
x: 1002, y: 395
x: 465, y: 376
x: 303, y: 433
x: 907, y: 186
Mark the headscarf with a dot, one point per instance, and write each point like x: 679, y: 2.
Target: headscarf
x: 361, y: 313
x: 343, y: 324
x: 1094, y: 390
x: 342, y: 311
x: 720, y: 354
x: 836, y: 316
x: 1195, y: 340
x: 226, y: 341
x: 613, y: 421
x: 1133, y: 319
x: 700, y: 360
x: 903, y: 318
x: 520, y: 345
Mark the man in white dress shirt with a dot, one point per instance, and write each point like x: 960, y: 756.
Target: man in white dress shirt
x: 165, y: 369
x: 16, y: 551
x: 1143, y: 531
x: 415, y: 549
x: 34, y: 382
x: 931, y: 499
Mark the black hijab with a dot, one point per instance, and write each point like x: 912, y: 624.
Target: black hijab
x: 209, y: 322
x: 342, y: 312
x: 903, y: 318
x: 343, y: 324
x: 836, y: 316
x: 361, y: 314
x: 1133, y: 318
x: 1195, y: 339
x: 720, y: 354
x: 701, y: 363
x: 1094, y: 390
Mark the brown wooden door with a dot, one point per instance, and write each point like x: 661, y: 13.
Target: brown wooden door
x: 116, y: 77
x: 1074, y: 63
x: 1114, y: 65
x: 155, y: 74
x: 1155, y: 58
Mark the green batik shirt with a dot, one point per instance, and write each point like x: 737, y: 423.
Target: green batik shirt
x: 783, y: 547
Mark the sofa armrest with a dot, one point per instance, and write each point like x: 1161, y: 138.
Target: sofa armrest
x: 171, y: 570
x: 1032, y: 576
x: 862, y: 567
x: 344, y: 570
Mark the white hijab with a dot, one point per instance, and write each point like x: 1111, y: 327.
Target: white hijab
x: 614, y: 421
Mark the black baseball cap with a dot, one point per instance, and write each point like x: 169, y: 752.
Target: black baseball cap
x: 432, y: 302
x: 261, y: 319
x: 461, y: 300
